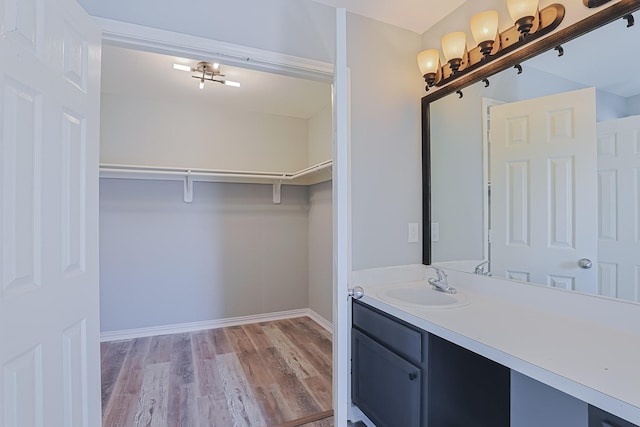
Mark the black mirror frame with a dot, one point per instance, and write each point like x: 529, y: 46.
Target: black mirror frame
x: 598, y: 19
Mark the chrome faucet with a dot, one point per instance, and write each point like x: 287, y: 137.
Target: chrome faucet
x: 440, y: 283
x: 482, y: 269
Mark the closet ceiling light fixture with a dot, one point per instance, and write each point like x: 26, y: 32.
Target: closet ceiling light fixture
x: 206, y: 71
x: 529, y: 24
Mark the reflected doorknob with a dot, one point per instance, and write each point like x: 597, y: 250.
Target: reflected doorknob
x: 356, y: 292
x: 585, y: 263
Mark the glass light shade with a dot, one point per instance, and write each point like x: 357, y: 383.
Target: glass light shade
x: 484, y: 26
x: 429, y: 61
x: 521, y: 8
x: 454, y: 45
x: 182, y: 67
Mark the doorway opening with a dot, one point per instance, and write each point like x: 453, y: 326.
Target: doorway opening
x: 211, y: 240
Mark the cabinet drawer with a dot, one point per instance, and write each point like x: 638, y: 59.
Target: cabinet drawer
x: 386, y: 387
x: 397, y: 336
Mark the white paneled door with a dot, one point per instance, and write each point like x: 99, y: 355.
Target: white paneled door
x: 619, y: 208
x: 544, y: 190
x: 49, y: 319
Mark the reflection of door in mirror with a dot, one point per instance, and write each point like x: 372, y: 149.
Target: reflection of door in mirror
x: 618, y: 225
x: 543, y: 190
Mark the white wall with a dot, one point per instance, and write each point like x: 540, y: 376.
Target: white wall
x: 231, y: 252
x: 159, y: 132
x: 320, y: 240
x: 386, y: 87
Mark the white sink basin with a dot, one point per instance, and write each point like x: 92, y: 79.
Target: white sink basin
x: 420, y: 296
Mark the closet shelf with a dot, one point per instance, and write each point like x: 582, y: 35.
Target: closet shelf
x: 312, y: 175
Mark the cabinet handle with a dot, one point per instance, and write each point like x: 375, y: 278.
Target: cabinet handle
x: 412, y: 376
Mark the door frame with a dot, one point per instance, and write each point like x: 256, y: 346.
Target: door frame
x: 487, y: 103
x: 138, y: 37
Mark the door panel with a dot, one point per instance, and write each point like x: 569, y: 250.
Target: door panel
x: 543, y: 190
x: 619, y: 207
x: 49, y: 312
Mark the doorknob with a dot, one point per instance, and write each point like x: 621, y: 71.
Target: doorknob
x: 585, y: 263
x: 356, y: 292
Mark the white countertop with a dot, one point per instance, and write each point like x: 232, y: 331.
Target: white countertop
x: 585, y: 346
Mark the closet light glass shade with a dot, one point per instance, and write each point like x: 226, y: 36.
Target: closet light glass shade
x: 521, y: 8
x: 454, y: 45
x: 429, y: 61
x: 484, y: 26
x: 181, y: 67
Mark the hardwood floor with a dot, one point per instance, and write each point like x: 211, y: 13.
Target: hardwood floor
x: 264, y: 374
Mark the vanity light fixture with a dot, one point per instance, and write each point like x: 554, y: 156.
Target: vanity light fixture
x: 429, y: 64
x: 530, y: 24
x: 484, y: 27
x: 454, y: 48
x: 595, y: 3
x: 523, y: 13
x: 207, y: 71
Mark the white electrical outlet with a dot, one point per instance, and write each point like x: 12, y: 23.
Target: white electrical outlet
x: 435, y: 231
x: 414, y: 232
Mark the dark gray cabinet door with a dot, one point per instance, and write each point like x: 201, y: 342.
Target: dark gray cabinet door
x: 600, y: 418
x: 386, y: 387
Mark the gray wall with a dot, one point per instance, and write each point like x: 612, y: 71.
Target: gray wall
x: 534, y: 404
x: 321, y: 250
x: 156, y: 130
x: 231, y: 252
x: 386, y: 87
x: 633, y: 105
x: 295, y: 27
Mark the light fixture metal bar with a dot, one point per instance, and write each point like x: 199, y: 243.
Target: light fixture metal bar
x: 605, y: 16
x: 547, y: 20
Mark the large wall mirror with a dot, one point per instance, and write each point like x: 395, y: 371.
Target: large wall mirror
x: 536, y: 177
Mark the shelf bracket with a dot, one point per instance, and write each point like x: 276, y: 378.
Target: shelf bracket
x: 188, y: 187
x: 277, y: 186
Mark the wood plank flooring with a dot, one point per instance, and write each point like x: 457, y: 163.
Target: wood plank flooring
x: 259, y: 375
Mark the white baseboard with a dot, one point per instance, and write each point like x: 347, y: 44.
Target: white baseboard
x: 212, y: 324
x: 320, y: 320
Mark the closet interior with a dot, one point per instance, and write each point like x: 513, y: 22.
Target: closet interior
x: 215, y: 200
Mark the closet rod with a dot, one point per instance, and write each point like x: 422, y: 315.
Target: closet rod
x: 313, y: 169
x: 194, y: 174
x: 197, y: 174
x: 162, y: 170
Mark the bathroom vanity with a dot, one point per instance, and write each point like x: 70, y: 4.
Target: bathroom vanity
x: 405, y: 376
x: 500, y: 353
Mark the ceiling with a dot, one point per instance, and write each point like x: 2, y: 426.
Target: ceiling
x: 414, y: 15
x: 151, y: 76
